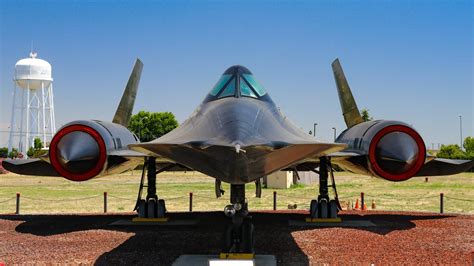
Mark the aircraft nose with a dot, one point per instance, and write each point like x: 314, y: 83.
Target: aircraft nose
x: 397, y: 152
x: 78, y: 152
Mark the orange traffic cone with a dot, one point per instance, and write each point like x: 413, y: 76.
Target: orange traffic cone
x: 357, y: 205
x: 373, y: 204
x: 364, y: 208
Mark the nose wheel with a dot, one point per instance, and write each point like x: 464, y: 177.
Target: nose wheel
x: 239, y: 234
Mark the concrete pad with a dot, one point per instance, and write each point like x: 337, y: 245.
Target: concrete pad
x: 208, y: 260
x: 343, y: 223
x: 170, y: 222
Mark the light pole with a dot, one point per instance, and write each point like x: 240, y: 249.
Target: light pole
x: 314, y: 129
x: 460, y: 129
x: 334, y: 133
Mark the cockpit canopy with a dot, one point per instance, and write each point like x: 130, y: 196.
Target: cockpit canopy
x: 237, y: 81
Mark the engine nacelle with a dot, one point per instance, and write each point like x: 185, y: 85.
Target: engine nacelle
x: 79, y: 150
x: 393, y: 150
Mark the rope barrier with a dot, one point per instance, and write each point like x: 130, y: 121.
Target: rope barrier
x: 293, y: 197
x: 458, y: 199
x: 206, y: 197
x: 60, y: 200
x: 398, y: 197
x: 115, y: 197
x: 7, y: 200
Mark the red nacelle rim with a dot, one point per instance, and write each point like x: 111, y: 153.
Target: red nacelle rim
x: 407, y: 174
x: 53, y: 154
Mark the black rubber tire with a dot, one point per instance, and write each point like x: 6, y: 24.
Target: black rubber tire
x: 247, y: 239
x: 161, y: 208
x: 333, y: 209
x: 227, y: 239
x: 151, y: 208
x: 313, y: 209
x: 323, y: 204
x: 141, y: 209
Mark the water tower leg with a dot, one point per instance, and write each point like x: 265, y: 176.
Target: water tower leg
x: 12, y: 121
x: 51, y: 110
x: 27, y: 140
x: 43, y: 104
x: 22, y: 105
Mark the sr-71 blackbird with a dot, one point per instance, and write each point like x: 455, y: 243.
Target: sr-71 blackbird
x: 237, y: 135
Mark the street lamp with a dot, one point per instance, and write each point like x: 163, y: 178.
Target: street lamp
x: 334, y: 133
x: 314, y: 131
x: 460, y: 129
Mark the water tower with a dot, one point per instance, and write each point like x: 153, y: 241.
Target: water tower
x: 32, y: 106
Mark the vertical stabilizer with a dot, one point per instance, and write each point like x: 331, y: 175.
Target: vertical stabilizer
x: 125, y: 108
x: 349, y: 108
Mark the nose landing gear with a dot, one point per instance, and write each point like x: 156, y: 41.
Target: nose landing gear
x: 239, y: 235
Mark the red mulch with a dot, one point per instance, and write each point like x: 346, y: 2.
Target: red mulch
x: 398, y: 238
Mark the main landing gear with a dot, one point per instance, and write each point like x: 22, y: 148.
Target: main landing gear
x: 323, y: 208
x: 239, y: 235
x: 151, y: 206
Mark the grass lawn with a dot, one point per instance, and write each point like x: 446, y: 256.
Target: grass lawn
x: 58, y: 195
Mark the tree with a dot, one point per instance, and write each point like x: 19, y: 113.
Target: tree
x: 4, y: 152
x: 13, y: 153
x: 469, y: 144
x: 365, y: 115
x: 451, y: 151
x: 36, y: 151
x: 38, y: 145
x: 469, y: 147
x: 148, y: 126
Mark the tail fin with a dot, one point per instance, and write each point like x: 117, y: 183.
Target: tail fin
x: 125, y: 108
x: 349, y: 108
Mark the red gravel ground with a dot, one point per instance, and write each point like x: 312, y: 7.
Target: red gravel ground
x: 397, y: 238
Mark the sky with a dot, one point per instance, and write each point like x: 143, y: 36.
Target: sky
x: 410, y: 61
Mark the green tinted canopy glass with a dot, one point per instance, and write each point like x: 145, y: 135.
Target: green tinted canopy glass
x: 229, y: 89
x: 218, y: 87
x: 245, y: 89
x: 259, y: 89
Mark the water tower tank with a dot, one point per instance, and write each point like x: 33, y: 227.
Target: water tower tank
x: 33, y: 73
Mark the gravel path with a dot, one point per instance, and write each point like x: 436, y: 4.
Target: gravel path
x: 397, y: 238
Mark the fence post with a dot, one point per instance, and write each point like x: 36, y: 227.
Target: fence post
x: 190, y: 201
x: 105, y: 202
x: 17, y: 203
x: 441, y: 203
x: 274, y: 200
x: 362, y: 201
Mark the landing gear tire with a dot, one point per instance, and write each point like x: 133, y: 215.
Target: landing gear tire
x: 248, y: 240
x: 151, y: 208
x: 333, y: 209
x: 228, y: 238
x: 161, y: 208
x: 313, y: 210
x: 141, y: 209
x: 239, y: 239
x: 324, y: 208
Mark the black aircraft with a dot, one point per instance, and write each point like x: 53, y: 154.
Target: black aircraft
x: 237, y: 135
